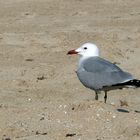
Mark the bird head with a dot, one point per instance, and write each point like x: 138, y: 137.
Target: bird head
x: 86, y: 50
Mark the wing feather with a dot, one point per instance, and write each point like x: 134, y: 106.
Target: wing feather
x: 96, y: 73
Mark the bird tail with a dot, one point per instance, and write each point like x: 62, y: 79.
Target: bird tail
x: 133, y: 83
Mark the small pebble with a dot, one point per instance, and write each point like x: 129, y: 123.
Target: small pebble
x: 29, y: 59
x: 112, y: 103
x: 98, y: 115
x: 42, y: 118
x: 73, y: 108
x: 41, y: 78
x: 114, y: 116
x: 65, y: 112
x: 70, y: 135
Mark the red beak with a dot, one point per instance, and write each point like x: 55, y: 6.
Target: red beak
x: 71, y: 52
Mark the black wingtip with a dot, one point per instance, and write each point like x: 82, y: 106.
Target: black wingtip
x: 134, y: 82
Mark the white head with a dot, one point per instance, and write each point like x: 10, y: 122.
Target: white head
x: 86, y: 50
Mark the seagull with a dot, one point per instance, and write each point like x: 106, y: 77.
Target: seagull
x: 99, y: 74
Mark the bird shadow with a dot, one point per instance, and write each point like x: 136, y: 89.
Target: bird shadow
x: 127, y: 111
x: 123, y: 110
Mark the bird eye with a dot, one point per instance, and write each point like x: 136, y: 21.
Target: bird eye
x: 85, y: 48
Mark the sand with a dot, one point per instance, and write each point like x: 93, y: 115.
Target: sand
x: 41, y: 97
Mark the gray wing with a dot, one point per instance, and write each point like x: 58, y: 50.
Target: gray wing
x: 96, y: 73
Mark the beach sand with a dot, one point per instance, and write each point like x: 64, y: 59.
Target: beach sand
x: 41, y: 97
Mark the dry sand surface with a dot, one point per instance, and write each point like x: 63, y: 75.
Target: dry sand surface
x: 41, y: 97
